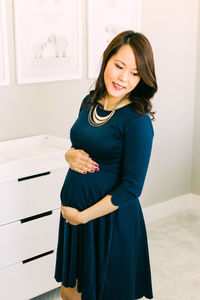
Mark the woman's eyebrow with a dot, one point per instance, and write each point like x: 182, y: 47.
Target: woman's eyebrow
x: 125, y: 64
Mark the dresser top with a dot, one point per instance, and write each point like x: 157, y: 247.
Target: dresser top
x: 31, y: 154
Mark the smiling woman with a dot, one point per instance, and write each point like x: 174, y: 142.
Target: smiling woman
x: 119, y: 75
x: 129, y: 54
x: 102, y: 250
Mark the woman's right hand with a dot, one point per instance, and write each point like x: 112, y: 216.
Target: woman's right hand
x: 80, y: 161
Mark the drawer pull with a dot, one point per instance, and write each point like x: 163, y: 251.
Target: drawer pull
x: 36, y: 257
x: 36, y: 217
x: 33, y: 176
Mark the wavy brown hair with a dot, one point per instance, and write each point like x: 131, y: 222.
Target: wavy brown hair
x: 147, y: 86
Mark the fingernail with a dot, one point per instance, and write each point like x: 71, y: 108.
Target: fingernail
x: 92, y: 171
x: 96, y: 165
x: 97, y: 169
x: 84, y: 172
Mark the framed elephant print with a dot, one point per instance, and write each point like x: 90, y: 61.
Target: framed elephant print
x: 114, y: 16
x: 48, y: 40
x: 4, y: 67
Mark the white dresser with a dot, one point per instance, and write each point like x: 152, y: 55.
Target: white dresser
x: 32, y: 171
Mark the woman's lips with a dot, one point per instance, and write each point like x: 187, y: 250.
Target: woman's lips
x: 117, y: 86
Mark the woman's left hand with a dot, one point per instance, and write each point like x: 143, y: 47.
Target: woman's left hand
x: 71, y: 214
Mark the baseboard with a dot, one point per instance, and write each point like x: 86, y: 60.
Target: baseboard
x: 194, y: 201
x: 171, y: 207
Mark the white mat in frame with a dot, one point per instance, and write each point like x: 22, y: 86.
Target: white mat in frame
x: 48, y: 38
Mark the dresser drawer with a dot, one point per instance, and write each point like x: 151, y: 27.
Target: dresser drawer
x: 22, y: 240
x: 26, y: 196
x: 23, y: 281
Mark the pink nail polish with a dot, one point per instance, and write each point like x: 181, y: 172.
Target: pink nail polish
x: 84, y: 172
x: 97, y: 169
x: 92, y: 171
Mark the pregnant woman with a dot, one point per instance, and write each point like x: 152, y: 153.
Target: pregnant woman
x: 102, y: 251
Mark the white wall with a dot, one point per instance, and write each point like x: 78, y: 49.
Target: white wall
x: 171, y: 27
x: 195, y: 180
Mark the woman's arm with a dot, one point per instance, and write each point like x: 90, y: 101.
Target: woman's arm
x: 99, y: 209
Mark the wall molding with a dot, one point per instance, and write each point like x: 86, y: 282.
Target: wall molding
x: 170, y: 207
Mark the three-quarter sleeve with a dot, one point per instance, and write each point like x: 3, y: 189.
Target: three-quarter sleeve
x: 138, y: 139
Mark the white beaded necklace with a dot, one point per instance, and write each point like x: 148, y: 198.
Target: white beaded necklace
x: 98, y: 120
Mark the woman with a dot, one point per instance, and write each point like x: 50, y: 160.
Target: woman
x: 102, y: 251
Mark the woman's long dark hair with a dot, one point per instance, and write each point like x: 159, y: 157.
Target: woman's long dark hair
x: 147, y: 86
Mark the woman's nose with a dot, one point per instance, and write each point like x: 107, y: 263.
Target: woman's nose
x: 123, y: 76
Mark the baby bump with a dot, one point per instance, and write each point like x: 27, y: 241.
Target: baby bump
x: 83, y: 190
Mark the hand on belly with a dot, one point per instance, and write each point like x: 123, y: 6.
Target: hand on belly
x: 71, y: 214
x: 80, y: 161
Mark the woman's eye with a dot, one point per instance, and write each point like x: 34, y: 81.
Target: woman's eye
x: 118, y: 66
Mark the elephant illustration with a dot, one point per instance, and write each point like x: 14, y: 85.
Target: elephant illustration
x: 112, y: 30
x: 38, y: 49
x: 59, y: 44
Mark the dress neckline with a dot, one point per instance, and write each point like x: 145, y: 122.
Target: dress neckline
x: 116, y: 109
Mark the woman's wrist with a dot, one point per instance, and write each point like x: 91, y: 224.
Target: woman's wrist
x: 67, y: 154
x: 82, y: 217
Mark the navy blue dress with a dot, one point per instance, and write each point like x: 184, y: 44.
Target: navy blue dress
x: 108, y: 255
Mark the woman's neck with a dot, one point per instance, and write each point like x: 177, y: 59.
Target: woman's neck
x: 109, y: 104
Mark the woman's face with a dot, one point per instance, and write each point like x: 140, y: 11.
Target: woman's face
x: 121, y: 74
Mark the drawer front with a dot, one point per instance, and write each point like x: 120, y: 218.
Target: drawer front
x: 28, y: 196
x: 23, y: 281
x: 29, y: 238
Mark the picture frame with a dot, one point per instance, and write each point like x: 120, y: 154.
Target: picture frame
x: 48, y: 40
x: 4, y: 64
x: 114, y: 16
